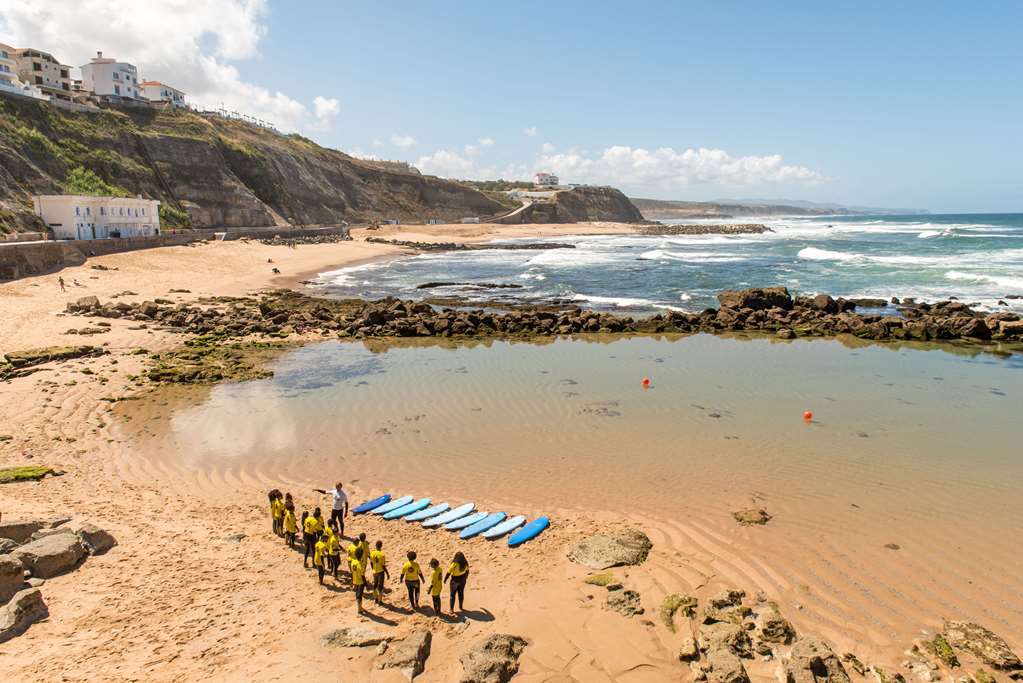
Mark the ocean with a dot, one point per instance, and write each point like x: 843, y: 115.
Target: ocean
x: 977, y: 258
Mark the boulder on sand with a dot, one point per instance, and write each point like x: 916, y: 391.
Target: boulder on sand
x: 24, y: 609
x: 494, y: 659
x: 51, y: 555
x: 601, y: 551
x: 625, y: 602
x: 12, y: 577
x: 20, y: 531
x: 774, y: 628
x: 812, y: 661
x: 976, y: 639
x: 757, y: 299
x: 354, y: 636
x: 408, y: 655
x: 96, y: 540
x: 723, y: 644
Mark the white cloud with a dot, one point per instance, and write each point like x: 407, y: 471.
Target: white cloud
x: 403, y: 140
x: 359, y: 154
x: 548, y: 148
x: 325, y: 110
x: 472, y: 150
x: 531, y: 131
x: 486, y: 142
x: 666, y: 168
x: 193, y: 45
x: 446, y: 164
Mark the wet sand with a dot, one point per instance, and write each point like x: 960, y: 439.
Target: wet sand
x: 176, y: 599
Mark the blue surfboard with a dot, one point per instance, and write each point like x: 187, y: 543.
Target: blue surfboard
x: 407, y: 509
x: 465, y: 521
x: 493, y: 519
x: 504, y: 527
x: 370, y: 504
x: 393, y: 505
x: 449, y: 516
x: 428, y: 512
x: 528, y: 532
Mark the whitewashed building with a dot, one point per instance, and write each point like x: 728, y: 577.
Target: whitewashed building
x: 42, y: 73
x: 545, y: 180
x: 107, y: 77
x: 155, y: 91
x: 85, y: 217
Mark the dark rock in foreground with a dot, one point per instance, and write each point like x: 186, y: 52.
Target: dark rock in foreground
x: 51, y: 555
x: 409, y: 654
x: 812, y: 661
x: 24, y: 609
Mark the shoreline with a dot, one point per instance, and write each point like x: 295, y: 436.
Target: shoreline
x: 217, y: 624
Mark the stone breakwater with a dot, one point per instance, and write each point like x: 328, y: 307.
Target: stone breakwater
x: 771, y: 310
x: 706, y: 229
x: 463, y: 246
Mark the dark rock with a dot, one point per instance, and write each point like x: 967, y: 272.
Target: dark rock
x: 24, y: 609
x: 355, y: 636
x: 51, y: 555
x: 774, y: 628
x: 20, y: 531
x: 823, y: 302
x: 12, y: 577
x: 756, y: 299
x: 751, y: 516
x: 96, y: 540
x: 601, y: 551
x: 494, y: 659
x: 408, y: 655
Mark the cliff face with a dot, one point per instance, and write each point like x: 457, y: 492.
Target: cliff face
x: 578, y: 205
x: 210, y: 172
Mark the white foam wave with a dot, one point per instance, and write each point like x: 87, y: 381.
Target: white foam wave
x: 573, y: 257
x: 815, y: 254
x: 620, y: 301
x: 695, y: 256
x: 1008, y: 282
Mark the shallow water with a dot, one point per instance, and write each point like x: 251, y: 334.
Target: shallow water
x: 976, y: 257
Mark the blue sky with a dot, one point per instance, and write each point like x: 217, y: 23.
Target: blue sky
x: 887, y: 104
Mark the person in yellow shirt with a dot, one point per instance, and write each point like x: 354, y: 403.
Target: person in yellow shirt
x: 320, y: 526
x: 458, y: 572
x: 436, y: 582
x: 353, y: 547
x: 290, y: 527
x: 378, y: 563
x: 333, y: 551
x: 364, y: 544
x: 412, y: 575
x: 358, y: 577
x: 275, y: 511
x: 319, y: 552
x: 309, y: 536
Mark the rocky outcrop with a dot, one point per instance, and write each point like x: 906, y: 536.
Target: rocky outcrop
x: 722, y: 645
x: 726, y: 606
x: 51, y: 555
x: 773, y: 627
x: 24, y: 609
x: 408, y: 655
x: 813, y: 661
x: 706, y: 229
x: 981, y: 642
x: 494, y: 659
x: 600, y: 551
x: 355, y: 636
x: 625, y: 602
x: 12, y: 577
x: 211, y: 171
x: 20, y: 363
x: 20, y: 531
x: 756, y: 299
x: 595, y: 204
x: 752, y: 516
x: 96, y: 540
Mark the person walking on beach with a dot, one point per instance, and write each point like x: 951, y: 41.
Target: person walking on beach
x: 333, y: 551
x: 290, y: 528
x: 277, y: 507
x: 320, y: 550
x: 60, y: 280
x: 378, y: 563
x: 364, y: 544
x: 273, y: 511
x: 359, y: 577
x: 339, y: 506
x: 412, y: 575
x: 458, y: 572
x: 435, y: 585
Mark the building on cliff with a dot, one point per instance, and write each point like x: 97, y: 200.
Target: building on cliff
x: 86, y: 217
x: 545, y: 180
x: 41, y: 69
x: 108, y: 78
x: 162, y: 94
x: 9, y: 80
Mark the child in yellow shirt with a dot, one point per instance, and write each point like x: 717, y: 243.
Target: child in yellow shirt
x: 319, y: 551
x: 290, y: 526
x: 358, y: 578
x: 378, y: 562
x: 436, y: 581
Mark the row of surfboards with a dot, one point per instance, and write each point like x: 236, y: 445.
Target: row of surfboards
x: 465, y: 519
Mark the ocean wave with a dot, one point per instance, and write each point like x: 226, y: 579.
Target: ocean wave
x: 815, y: 254
x: 695, y: 256
x: 619, y: 301
x: 1008, y: 282
x: 573, y: 258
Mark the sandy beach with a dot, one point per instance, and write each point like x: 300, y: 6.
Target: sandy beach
x: 184, y: 596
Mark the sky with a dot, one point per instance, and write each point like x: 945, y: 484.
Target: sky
x: 909, y: 104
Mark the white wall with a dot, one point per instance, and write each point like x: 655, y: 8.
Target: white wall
x: 99, y: 77
x: 81, y: 217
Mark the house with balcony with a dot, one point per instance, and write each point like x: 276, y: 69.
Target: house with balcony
x: 86, y: 217
x: 42, y: 70
x: 9, y: 80
x: 161, y: 93
x: 110, y: 79
x: 545, y: 180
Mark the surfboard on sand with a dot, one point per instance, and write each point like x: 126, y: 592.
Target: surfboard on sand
x: 504, y: 527
x: 465, y: 521
x: 408, y: 509
x: 529, y: 532
x: 393, y: 505
x: 450, y: 515
x: 428, y: 512
x: 370, y: 504
x: 493, y: 519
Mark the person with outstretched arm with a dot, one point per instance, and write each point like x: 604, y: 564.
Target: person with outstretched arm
x: 339, y: 509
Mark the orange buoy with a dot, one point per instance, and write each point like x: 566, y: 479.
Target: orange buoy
x: 646, y: 381
x: 808, y: 416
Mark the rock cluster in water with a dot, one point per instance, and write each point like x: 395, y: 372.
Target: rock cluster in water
x: 467, y: 246
x: 706, y: 229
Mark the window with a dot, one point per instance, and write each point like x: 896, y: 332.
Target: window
x: 36, y: 66
x: 39, y: 80
x: 117, y: 90
x: 78, y: 211
x: 88, y: 211
x: 103, y: 211
x: 63, y: 73
x: 143, y: 211
x: 117, y: 76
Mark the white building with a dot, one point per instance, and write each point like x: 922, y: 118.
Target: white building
x: 10, y: 81
x: 42, y: 70
x: 545, y: 180
x: 155, y: 91
x: 85, y: 217
x: 107, y: 77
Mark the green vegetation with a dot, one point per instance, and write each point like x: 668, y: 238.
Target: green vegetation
x: 81, y: 180
x: 9, y: 475
x: 940, y: 648
x: 173, y: 217
x: 983, y: 676
x: 499, y: 185
x: 211, y: 363
x: 676, y: 603
x: 603, y: 579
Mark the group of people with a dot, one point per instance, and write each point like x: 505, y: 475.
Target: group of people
x: 322, y: 540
